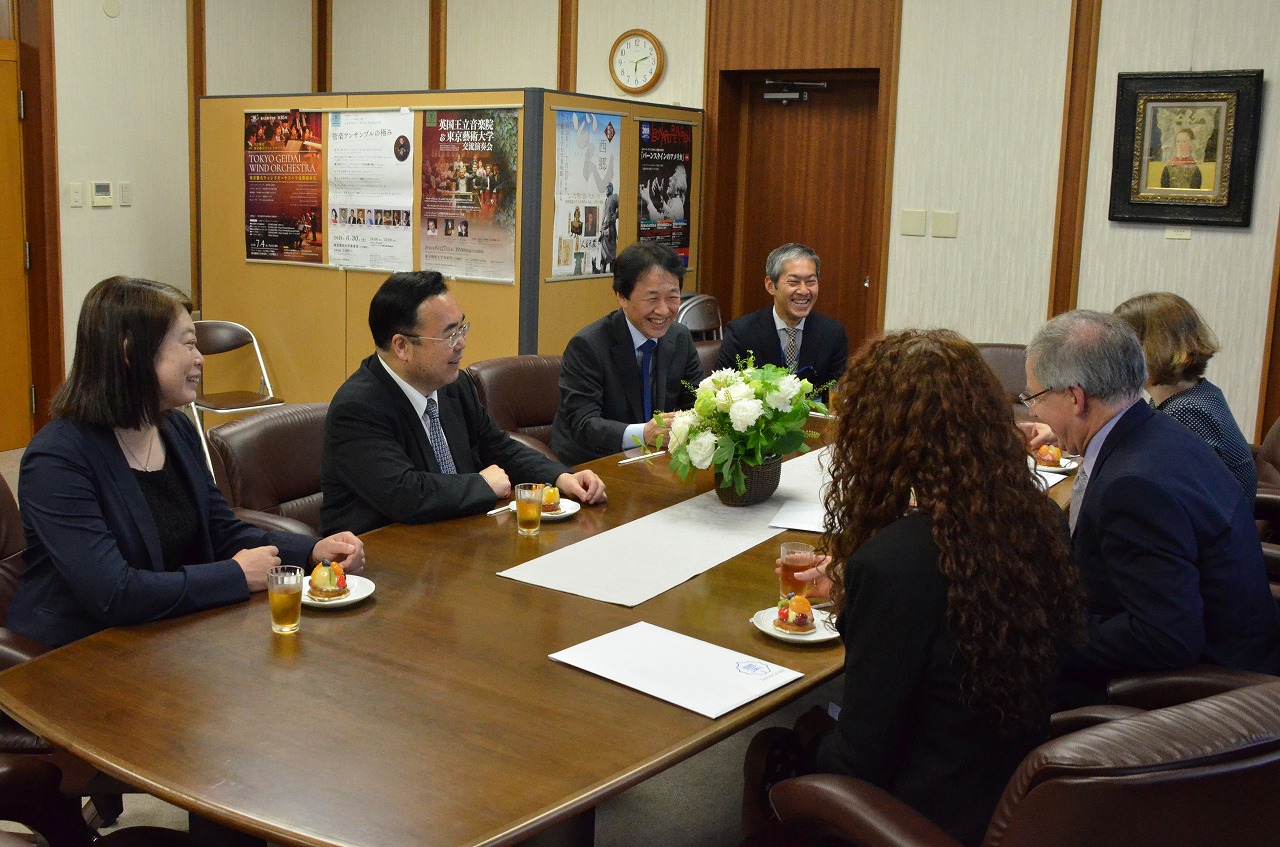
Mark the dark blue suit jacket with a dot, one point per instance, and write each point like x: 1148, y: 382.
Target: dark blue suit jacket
x: 600, y: 386
x: 378, y: 467
x: 1169, y: 556
x: 93, y: 551
x: 824, y: 345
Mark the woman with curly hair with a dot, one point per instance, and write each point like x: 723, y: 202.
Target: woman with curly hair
x: 952, y: 578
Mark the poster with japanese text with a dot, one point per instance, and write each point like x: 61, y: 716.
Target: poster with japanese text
x: 282, y: 216
x: 585, y: 228
x: 370, y: 174
x: 468, y: 214
x: 666, y: 160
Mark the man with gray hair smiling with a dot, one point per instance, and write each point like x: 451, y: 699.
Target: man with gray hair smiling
x: 790, y: 334
x: 1162, y: 533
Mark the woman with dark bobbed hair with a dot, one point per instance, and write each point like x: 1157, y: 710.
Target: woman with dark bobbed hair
x: 952, y: 577
x: 122, y: 519
x: 1178, y: 345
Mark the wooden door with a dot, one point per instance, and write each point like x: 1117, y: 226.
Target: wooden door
x: 15, y: 361
x: 807, y: 172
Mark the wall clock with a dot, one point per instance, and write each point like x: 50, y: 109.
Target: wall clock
x: 636, y: 61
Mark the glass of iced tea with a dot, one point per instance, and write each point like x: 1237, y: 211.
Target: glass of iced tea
x: 796, y: 556
x: 284, y: 593
x: 529, y: 507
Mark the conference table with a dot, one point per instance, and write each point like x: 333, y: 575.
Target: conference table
x: 429, y: 713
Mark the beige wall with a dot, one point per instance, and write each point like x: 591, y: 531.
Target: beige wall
x: 486, y: 51
x: 1224, y: 271
x: 122, y: 116
x: 978, y: 133
x: 381, y: 45
x: 244, y: 57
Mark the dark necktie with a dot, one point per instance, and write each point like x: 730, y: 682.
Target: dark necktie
x: 646, y: 384
x: 791, y: 350
x: 436, y: 436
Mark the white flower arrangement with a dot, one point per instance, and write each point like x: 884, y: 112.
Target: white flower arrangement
x: 740, y: 418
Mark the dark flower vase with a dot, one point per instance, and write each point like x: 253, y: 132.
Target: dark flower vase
x: 762, y: 481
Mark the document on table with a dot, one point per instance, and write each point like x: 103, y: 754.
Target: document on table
x: 692, y: 674
x: 806, y: 507
x: 639, y: 560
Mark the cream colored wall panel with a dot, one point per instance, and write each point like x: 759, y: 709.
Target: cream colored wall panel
x: 978, y: 133
x: 486, y: 51
x: 681, y: 26
x: 122, y: 116
x: 249, y: 52
x: 382, y: 45
x: 1224, y: 271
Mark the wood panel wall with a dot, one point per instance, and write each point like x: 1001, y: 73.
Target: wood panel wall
x: 762, y: 35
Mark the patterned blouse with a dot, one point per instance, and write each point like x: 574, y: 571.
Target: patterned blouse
x: 1203, y: 410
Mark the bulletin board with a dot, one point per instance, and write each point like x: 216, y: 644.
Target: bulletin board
x: 311, y: 318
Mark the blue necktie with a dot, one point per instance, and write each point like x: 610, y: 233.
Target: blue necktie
x: 646, y: 387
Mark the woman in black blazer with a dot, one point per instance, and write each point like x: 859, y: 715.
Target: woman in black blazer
x: 122, y: 519
x: 952, y: 578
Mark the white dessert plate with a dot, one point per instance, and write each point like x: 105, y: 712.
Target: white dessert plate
x: 823, y: 621
x: 360, y: 589
x: 568, y: 508
x: 1067, y: 465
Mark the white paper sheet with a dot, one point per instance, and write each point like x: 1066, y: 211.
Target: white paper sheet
x: 639, y: 560
x: 693, y: 674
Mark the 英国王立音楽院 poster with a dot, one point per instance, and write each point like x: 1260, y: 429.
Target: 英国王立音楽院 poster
x: 584, y: 233
x: 468, y: 213
x: 283, y: 219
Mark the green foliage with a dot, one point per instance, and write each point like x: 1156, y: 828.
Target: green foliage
x: 739, y: 419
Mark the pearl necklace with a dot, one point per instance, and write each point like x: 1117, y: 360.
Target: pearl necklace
x: 151, y: 443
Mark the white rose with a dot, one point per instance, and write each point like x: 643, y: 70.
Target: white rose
x: 701, y: 449
x: 740, y: 391
x: 781, y: 399
x: 744, y: 413
x: 680, y: 425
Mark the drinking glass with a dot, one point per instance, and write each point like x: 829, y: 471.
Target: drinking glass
x: 529, y: 507
x: 284, y: 593
x: 796, y: 556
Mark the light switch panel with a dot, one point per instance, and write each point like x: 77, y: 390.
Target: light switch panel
x: 914, y: 221
x: 945, y: 224
x: 75, y: 194
x: 126, y: 194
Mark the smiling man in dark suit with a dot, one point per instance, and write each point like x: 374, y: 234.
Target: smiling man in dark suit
x: 1162, y: 533
x: 790, y: 334
x: 629, y: 364
x: 406, y: 440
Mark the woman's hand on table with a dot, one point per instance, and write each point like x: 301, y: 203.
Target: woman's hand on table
x: 816, y: 576
x: 255, y: 562
x: 345, y: 548
x: 584, y: 486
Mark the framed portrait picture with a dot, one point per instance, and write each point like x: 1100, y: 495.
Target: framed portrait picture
x: 1185, y: 147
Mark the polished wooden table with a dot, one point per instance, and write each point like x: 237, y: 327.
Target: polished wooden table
x: 430, y: 713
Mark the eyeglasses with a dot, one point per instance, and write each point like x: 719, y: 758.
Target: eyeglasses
x: 1029, y: 399
x: 453, y: 339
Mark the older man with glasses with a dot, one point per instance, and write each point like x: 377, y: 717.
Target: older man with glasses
x: 1162, y: 533
x: 406, y: 440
